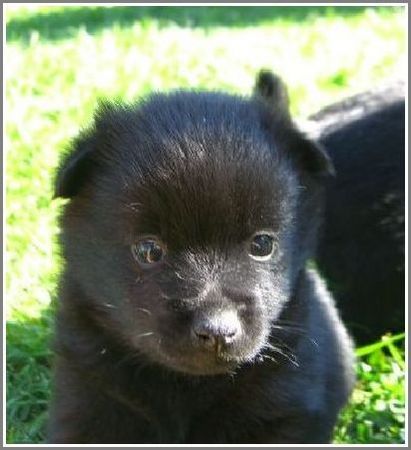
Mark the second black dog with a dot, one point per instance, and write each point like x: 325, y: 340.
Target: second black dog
x: 362, y: 250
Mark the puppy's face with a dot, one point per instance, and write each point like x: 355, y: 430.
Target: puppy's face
x: 210, y: 250
x: 182, y: 232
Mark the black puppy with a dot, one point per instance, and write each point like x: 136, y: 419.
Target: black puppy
x: 187, y: 313
x: 362, y: 250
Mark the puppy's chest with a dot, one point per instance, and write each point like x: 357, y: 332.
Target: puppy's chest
x: 176, y: 411
x: 183, y: 413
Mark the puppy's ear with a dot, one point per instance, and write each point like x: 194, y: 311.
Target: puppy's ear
x: 309, y: 156
x: 76, y: 167
x: 271, y: 90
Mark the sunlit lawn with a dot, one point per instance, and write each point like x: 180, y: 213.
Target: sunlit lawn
x: 60, y: 60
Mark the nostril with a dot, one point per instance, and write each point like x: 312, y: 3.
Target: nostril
x: 231, y: 334
x: 203, y: 337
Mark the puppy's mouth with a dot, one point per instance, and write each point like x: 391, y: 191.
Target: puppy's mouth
x: 201, y: 364
x: 213, y: 358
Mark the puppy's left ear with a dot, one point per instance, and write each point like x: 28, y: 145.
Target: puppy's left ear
x: 309, y: 156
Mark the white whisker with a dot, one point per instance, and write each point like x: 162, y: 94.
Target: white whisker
x: 109, y: 305
x: 145, y: 334
x: 144, y: 310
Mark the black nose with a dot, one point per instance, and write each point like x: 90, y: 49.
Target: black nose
x: 216, y: 329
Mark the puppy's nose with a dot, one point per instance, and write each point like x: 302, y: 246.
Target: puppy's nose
x: 219, y: 328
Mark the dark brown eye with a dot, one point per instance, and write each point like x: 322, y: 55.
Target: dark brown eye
x: 148, y: 251
x: 261, y: 247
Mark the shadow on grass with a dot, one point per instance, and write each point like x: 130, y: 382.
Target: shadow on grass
x: 65, y: 23
x: 28, y: 366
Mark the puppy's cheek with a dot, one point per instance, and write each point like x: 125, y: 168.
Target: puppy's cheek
x: 140, y: 312
x: 255, y: 328
x: 274, y: 293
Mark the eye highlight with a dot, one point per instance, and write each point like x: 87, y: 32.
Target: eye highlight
x: 261, y: 247
x: 148, y: 251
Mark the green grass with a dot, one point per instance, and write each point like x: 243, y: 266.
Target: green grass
x: 376, y: 412
x: 60, y: 60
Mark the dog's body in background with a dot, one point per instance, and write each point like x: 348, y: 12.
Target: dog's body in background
x: 361, y: 251
x: 187, y: 313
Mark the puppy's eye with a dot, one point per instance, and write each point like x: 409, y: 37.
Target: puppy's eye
x: 148, y: 251
x: 261, y: 247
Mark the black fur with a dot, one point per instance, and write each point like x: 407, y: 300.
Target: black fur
x: 202, y: 172
x: 362, y: 252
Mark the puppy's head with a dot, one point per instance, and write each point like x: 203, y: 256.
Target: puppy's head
x: 190, y: 216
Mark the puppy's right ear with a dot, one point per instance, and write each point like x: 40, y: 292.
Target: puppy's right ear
x: 270, y: 89
x: 309, y: 157
x: 75, y: 169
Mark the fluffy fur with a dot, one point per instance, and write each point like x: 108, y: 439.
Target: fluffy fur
x: 202, y: 172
